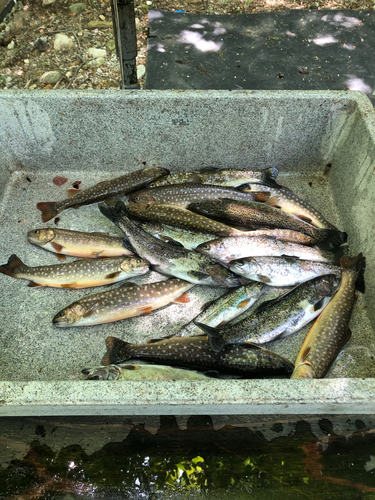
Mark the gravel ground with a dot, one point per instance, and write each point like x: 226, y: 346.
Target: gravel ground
x: 51, y: 44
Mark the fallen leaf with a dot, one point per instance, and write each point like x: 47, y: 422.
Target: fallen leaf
x: 48, y: 87
x: 59, y: 181
x: 72, y: 14
x: 304, y: 71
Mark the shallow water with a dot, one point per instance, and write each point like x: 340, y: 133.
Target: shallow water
x: 188, y: 457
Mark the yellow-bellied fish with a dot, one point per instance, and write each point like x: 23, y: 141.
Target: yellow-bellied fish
x: 330, y: 332
x: 130, y: 372
x: 78, y: 244
x: 127, y: 301
x: 83, y: 273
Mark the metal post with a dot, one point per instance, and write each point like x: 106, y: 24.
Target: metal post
x: 123, y: 15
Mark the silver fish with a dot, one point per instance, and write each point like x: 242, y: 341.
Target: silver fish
x: 131, y: 372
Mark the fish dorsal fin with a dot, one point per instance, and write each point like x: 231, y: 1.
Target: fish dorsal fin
x: 127, y: 284
x: 346, y: 338
x: 98, y: 233
x: 154, y: 341
x: 127, y: 244
x: 32, y: 284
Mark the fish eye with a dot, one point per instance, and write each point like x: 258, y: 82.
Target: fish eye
x: 152, y: 185
x: 206, y: 246
x: 36, y: 231
x: 139, y: 261
x: 136, y: 198
x: 240, y: 263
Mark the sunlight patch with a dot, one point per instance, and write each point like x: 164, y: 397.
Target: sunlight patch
x: 355, y: 83
x: 324, y: 40
x: 198, y: 41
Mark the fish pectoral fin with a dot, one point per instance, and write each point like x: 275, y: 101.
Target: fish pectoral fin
x: 32, y: 284
x: 274, y: 202
x: 130, y: 367
x: 113, y: 276
x: 198, y: 275
x: 182, y: 299
x: 128, y: 283
x: 304, y: 218
x: 262, y: 196
x: 110, y: 201
x: 127, y: 244
x: 171, y: 241
x: 243, y: 304
x: 264, y: 279
x: 145, y: 310
x: 57, y: 247
x: 73, y: 192
x: 318, y: 305
x: 60, y: 257
x: 346, y: 338
x: 305, y: 354
x: 90, y: 312
x: 69, y: 285
x: 153, y: 341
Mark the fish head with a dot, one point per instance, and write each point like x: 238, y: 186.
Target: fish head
x: 69, y: 316
x: 129, y: 265
x: 142, y: 197
x: 111, y: 372
x: 137, y: 209
x: 325, y: 286
x: 40, y: 236
x: 152, y: 227
x: 223, y: 277
x: 303, y: 370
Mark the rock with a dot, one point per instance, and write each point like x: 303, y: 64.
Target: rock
x: 95, y: 53
x: 32, y: 87
x: 141, y: 71
x: 41, y: 44
x: 99, y: 24
x: 137, y: 24
x: 314, y: 5
x: 5, y: 39
x: 48, y: 2
x: 26, y: 61
x: 101, y: 17
x: 68, y: 74
x: 112, y: 83
x: 20, y: 18
x: 77, y: 8
x: 95, y: 63
x: 62, y: 42
x: 11, y: 45
x: 144, y: 8
x: 111, y: 45
x: 50, y: 77
x: 148, y: 2
x: 8, y: 79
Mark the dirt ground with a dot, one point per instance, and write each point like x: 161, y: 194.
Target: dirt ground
x: 60, y: 45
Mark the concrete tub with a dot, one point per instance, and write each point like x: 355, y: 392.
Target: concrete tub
x: 323, y: 144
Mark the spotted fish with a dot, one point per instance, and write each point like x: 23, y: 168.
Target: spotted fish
x: 247, y: 360
x: 330, y: 332
x: 101, y: 191
x: 78, y: 244
x: 78, y: 274
x: 127, y: 301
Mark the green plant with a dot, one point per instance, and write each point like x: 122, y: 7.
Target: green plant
x: 3, y: 79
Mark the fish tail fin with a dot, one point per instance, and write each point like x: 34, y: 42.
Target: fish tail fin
x: 216, y: 342
x: 116, y: 351
x: 114, y: 213
x: 358, y: 265
x: 49, y: 210
x: 331, y: 238
x: 13, y: 263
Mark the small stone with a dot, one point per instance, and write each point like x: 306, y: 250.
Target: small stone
x: 314, y: 5
x: 32, y: 87
x: 26, y: 61
x: 7, y: 28
x: 5, y: 39
x: 95, y: 63
x: 137, y: 24
x: 141, y: 71
x: 99, y: 25
x: 68, y: 74
x: 111, y: 45
x: 148, y: 2
x: 20, y: 17
x: 77, y: 8
x: 48, y: 2
x: 62, y: 42
x: 101, y: 17
x: 41, y: 44
x: 95, y: 53
x: 11, y: 45
x: 8, y: 79
x: 144, y: 8
x: 112, y: 83
x: 51, y: 77
x: 48, y: 87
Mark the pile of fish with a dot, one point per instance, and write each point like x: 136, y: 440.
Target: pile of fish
x: 277, y: 259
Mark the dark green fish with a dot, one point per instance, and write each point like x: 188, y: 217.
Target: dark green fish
x: 221, y: 177
x: 281, y: 271
x: 284, y: 316
x: 247, y: 360
x: 101, y: 191
x: 170, y: 259
x: 179, y: 217
x: 283, y: 198
x: 254, y: 215
x: 330, y: 332
x: 182, y: 195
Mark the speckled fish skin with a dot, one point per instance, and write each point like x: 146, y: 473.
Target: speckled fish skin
x: 168, y: 259
x: 83, y: 273
x: 102, y: 191
x: 78, y: 244
x: 281, y: 271
x: 188, y: 239
x: 230, y: 177
x: 285, y: 316
x: 130, y: 372
x: 254, y: 215
x: 286, y: 200
x: 179, y: 217
x: 127, y: 301
x: 195, y: 353
x: 224, y: 309
x: 330, y: 332
x: 182, y: 195
x: 225, y: 250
